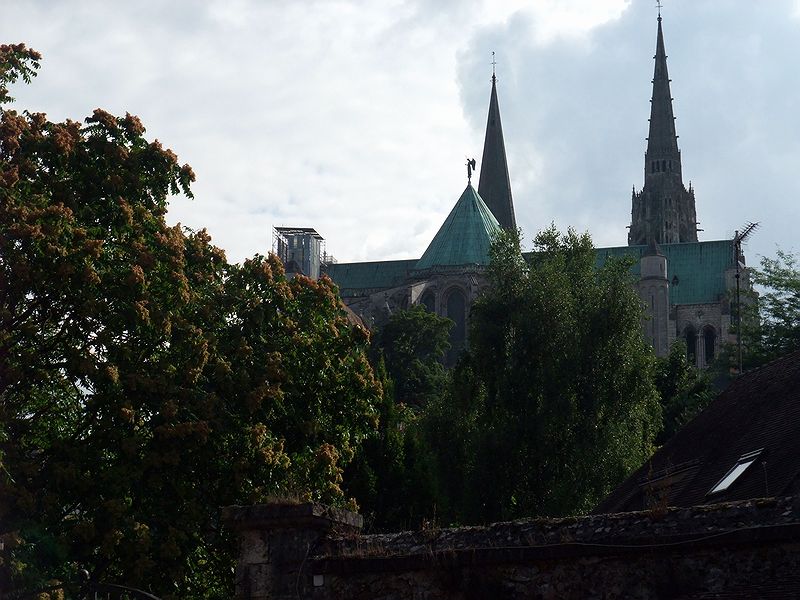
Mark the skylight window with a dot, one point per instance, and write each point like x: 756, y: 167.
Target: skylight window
x: 740, y: 467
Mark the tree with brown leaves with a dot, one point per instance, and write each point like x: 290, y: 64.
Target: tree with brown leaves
x: 144, y: 380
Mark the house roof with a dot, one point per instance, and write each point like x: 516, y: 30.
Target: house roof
x: 760, y: 411
x: 465, y: 236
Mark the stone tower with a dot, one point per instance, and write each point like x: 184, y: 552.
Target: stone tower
x: 653, y: 289
x: 664, y: 209
x: 495, y: 185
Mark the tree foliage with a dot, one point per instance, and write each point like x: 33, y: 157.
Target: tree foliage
x: 16, y: 62
x: 770, y: 316
x: 684, y: 389
x: 556, y: 402
x: 391, y: 475
x: 777, y: 330
x: 144, y: 380
x: 412, y: 344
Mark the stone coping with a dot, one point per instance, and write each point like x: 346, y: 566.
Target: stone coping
x: 287, y: 515
x: 750, y: 520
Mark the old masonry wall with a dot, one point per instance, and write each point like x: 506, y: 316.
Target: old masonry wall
x: 734, y: 550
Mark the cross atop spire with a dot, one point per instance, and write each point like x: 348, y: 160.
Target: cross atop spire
x: 494, y: 79
x: 658, y: 6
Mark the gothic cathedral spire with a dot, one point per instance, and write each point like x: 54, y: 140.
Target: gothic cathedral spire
x: 664, y: 210
x: 494, y: 186
x: 662, y: 141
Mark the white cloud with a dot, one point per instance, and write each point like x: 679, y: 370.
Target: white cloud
x: 355, y: 117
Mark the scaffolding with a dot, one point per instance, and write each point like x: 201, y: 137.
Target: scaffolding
x: 301, y: 249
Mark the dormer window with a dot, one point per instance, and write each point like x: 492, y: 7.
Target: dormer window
x: 736, y: 471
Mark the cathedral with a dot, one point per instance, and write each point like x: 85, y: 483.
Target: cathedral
x: 685, y: 284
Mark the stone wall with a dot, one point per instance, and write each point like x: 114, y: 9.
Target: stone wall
x: 731, y: 550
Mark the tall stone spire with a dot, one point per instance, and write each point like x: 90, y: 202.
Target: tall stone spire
x: 495, y: 185
x: 662, y: 141
x: 664, y: 210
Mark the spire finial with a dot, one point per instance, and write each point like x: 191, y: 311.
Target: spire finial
x: 658, y: 6
x: 470, y: 169
x: 494, y: 79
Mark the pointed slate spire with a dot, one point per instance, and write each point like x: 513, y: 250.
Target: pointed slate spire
x: 465, y: 236
x: 664, y: 210
x: 662, y: 140
x: 495, y: 185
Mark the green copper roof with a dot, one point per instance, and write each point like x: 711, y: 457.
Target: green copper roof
x: 358, y: 279
x: 698, y: 266
x: 465, y: 236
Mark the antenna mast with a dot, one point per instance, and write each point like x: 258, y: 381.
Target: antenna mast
x: 738, y: 238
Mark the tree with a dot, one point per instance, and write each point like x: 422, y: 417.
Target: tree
x: 391, y: 474
x: 684, y: 389
x: 555, y: 403
x: 144, y: 380
x: 770, y: 323
x: 413, y: 343
x: 777, y: 331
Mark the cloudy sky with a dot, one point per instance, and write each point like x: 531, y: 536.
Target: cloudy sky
x: 355, y: 117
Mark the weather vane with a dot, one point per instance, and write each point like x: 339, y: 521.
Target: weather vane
x: 493, y: 64
x: 470, y: 169
x: 658, y: 6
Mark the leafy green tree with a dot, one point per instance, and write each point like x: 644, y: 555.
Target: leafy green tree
x: 144, y: 380
x: 450, y: 430
x: 685, y: 390
x: 777, y: 331
x: 391, y: 475
x: 556, y: 402
x: 770, y: 325
x: 412, y: 344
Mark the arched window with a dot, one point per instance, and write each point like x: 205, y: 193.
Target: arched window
x: 710, y: 341
x: 691, y: 345
x: 429, y: 301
